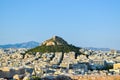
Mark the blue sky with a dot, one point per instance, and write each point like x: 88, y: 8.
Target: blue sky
x: 86, y: 23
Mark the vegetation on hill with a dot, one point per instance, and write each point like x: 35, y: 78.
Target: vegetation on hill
x: 55, y: 44
x: 55, y: 48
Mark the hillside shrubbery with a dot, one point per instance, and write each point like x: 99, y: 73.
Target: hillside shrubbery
x: 55, y: 48
x: 55, y: 44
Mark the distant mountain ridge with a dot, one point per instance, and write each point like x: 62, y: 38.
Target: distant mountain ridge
x: 30, y: 44
x: 98, y: 49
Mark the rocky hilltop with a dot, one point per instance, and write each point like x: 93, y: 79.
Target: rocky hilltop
x: 54, y: 44
x: 55, y: 40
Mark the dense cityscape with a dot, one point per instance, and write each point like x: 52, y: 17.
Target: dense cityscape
x: 20, y: 64
x: 59, y: 40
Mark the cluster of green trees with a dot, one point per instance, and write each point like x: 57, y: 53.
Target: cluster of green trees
x: 54, y: 48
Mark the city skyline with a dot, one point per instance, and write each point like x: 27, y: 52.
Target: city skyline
x: 81, y: 23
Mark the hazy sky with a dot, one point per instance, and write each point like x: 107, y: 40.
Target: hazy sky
x: 86, y: 23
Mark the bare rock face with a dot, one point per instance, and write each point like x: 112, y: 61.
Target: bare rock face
x: 50, y: 43
x: 55, y: 40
